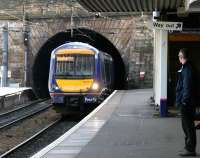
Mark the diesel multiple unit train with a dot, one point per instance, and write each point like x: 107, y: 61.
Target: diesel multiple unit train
x: 79, y: 75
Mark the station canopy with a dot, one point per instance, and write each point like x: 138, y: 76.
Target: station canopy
x: 130, y: 5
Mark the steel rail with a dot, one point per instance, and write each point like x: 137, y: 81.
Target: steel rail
x: 23, y: 107
x: 23, y: 117
x: 6, y: 154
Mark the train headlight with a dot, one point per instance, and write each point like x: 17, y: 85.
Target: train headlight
x: 55, y: 87
x: 53, y: 56
x: 95, y: 86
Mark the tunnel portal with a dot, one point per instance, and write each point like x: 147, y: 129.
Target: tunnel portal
x: 42, y: 60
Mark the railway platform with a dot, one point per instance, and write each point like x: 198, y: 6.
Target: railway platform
x: 11, y: 97
x: 123, y: 126
x: 4, y: 91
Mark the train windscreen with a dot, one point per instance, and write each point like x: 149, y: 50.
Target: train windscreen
x: 74, y: 66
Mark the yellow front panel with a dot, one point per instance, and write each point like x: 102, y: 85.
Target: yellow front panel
x: 75, y: 51
x: 74, y: 85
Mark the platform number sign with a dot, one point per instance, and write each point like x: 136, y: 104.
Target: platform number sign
x: 176, y: 26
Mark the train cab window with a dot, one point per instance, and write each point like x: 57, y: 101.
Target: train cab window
x: 65, y: 66
x: 75, y: 66
x: 85, y: 65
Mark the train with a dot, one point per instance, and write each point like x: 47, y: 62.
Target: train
x: 79, y: 75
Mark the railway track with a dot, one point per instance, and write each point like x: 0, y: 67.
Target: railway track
x: 36, y: 142
x: 31, y: 139
x: 11, y: 117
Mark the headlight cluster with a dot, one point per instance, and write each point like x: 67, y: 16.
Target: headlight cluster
x: 55, y: 87
x: 95, y: 86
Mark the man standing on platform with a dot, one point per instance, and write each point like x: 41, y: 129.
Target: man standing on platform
x: 185, y: 100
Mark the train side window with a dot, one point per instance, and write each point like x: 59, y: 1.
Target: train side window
x: 110, y: 71
x: 102, y: 69
x: 107, y: 71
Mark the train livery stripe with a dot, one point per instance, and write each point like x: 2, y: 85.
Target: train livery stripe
x: 75, y: 51
x: 74, y: 85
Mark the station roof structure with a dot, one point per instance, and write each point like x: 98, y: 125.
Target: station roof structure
x: 139, y: 5
x: 34, y: 9
x: 130, y: 5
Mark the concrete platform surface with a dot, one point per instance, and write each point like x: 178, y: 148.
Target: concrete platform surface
x: 125, y: 127
x: 10, y: 90
x: 133, y: 132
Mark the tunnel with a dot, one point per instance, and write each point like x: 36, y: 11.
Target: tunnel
x: 41, y: 64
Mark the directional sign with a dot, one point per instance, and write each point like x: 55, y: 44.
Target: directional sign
x: 176, y: 26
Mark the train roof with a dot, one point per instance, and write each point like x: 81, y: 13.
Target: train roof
x: 79, y: 45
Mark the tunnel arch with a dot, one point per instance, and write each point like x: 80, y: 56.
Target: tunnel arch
x: 42, y: 60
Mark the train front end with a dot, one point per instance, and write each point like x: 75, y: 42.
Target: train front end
x: 73, y: 78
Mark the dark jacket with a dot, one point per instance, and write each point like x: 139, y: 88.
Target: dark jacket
x: 185, y: 86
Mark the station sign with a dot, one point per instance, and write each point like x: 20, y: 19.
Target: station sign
x: 173, y: 26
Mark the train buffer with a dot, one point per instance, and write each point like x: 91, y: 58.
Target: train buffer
x: 124, y: 126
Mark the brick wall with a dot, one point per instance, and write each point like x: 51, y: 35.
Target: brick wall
x: 129, y: 34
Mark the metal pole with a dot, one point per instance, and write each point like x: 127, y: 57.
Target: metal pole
x: 26, y: 50
x: 72, y: 22
x: 4, y: 67
x: 26, y: 58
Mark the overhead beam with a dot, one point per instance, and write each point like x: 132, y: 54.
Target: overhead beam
x: 134, y: 5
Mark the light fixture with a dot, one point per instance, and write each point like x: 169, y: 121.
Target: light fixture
x: 95, y: 86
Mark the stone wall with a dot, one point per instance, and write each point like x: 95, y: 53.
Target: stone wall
x: 128, y: 33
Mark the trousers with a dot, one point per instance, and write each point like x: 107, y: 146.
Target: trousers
x: 187, y: 119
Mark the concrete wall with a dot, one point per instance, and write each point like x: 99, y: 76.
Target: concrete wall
x: 129, y: 34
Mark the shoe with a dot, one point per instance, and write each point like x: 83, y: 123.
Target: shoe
x: 187, y: 153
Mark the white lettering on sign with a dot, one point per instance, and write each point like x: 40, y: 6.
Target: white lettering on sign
x: 177, y: 26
